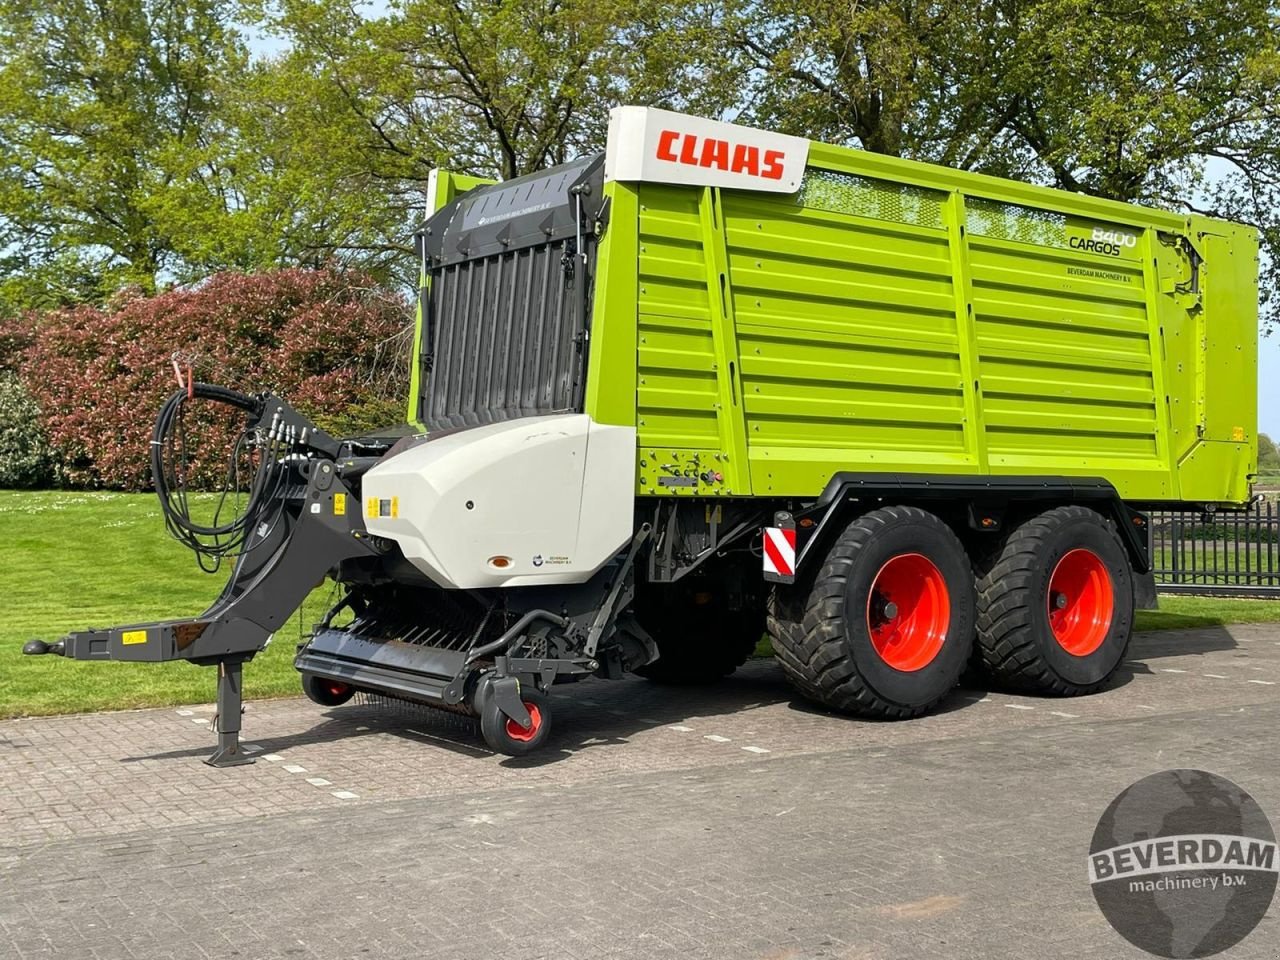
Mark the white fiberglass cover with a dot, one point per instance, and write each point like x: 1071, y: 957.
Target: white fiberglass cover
x: 521, y: 502
x: 660, y: 146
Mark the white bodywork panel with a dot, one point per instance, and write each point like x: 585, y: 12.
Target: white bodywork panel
x: 555, y: 495
x: 659, y: 146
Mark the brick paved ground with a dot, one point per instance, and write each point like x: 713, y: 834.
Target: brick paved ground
x: 662, y: 823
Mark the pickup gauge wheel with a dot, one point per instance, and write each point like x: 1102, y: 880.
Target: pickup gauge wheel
x: 326, y: 692
x: 884, y: 627
x: 504, y: 735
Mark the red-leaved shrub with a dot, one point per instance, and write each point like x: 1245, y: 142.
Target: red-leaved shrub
x: 332, y: 343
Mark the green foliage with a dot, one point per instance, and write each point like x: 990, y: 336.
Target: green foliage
x: 1171, y: 103
x: 108, y: 110
x: 364, y: 417
x: 26, y: 459
x: 494, y: 89
x: 1229, y: 534
x: 341, y: 131
x: 893, y: 76
x: 327, y: 340
x: 1268, y: 457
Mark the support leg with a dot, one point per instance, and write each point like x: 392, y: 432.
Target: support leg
x: 227, y: 721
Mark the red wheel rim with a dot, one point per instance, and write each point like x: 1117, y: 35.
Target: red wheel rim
x: 517, y: 732
x: 1081, y: 602
x: 908, y: 612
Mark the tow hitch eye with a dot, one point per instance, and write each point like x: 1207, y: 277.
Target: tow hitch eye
x: 36, y: 648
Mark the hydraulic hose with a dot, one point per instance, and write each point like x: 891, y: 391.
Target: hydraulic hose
x: 213, y: 541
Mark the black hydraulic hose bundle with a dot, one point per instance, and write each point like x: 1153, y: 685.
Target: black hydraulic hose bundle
x: 213, y: 541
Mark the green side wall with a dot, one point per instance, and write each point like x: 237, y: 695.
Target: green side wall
x: 896, y: 316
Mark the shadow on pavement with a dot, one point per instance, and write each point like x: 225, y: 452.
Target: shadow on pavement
x: 595, y: 713
x: 587, y: 715
x: 1181, y: 642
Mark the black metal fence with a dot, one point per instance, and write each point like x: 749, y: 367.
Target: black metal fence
x: 1229, y: 553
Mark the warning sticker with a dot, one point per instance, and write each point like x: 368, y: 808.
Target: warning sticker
x: 133, y: 636
x: 339, y: 504
x: 385, y: 507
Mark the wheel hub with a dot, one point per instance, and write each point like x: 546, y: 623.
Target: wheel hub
x: 517, y: 732
x: 908, y: 611
x: 1081, y: 602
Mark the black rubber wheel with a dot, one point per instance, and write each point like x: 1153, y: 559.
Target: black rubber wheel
x: 1055, y: 605
x: 884, y: 629
x: 504, y: 735
x: 327, y: 693
x: 699, y: 640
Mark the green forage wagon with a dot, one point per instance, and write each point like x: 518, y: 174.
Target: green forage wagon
x: 717, y: 381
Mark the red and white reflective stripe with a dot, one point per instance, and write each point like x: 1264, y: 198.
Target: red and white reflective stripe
x: 780, y: 551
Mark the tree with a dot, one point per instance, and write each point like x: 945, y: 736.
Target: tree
x: 489, y: 88
x: 140, y: 143
x: 1171, y: 103
x: 107, y: 116
x: 901, y: 77
x: 1268, y: 457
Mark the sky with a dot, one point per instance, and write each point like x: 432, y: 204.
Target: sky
x: 1268, y: 346
x: 1269, y: 386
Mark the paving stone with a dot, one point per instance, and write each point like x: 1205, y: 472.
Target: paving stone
x: 646, y: 829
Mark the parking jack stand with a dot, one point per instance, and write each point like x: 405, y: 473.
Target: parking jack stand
x: 226, y: 721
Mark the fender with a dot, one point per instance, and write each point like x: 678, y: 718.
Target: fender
x: 986, y: 501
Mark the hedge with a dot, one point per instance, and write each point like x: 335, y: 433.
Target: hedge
x: 333, y: 343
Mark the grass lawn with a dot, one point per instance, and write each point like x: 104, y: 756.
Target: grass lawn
x: 1183, y: 611
x: 77, y: 560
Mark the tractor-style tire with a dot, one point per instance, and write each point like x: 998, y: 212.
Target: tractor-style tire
x: 325, y: 692
x: 1055, y: 605
x: 698, y: 643
x: 884, y: 629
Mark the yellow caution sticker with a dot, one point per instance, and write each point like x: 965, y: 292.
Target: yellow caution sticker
x: 1237, y: 433
x: 133, y: 636
x: 384, y: 507
x: 339, y: 504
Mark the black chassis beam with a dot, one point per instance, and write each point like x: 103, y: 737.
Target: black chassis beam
x: 317, y: 526
x: 986, y: 498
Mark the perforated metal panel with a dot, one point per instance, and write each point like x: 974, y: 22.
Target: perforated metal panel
x: 1008, y: 221
x: 867, y: 197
